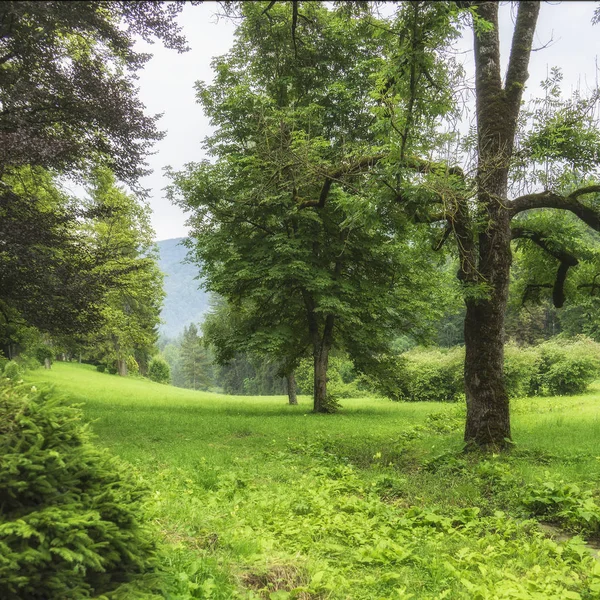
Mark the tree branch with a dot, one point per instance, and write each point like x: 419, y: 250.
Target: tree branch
x: 566, y: 260
x: 522, y: 42
x: 336, y: 176
x: 550, y: 199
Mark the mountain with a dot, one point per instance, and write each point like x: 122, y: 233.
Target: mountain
x: 184, y: 303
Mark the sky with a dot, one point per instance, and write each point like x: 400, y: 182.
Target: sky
x: 565, y: 38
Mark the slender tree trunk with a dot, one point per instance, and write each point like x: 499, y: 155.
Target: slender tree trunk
x: 321, y: 362
x: 322, y: 344
x: 122, y: 367
x: 291, y: 388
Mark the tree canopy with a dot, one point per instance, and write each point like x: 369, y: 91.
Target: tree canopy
x: 285, y: 225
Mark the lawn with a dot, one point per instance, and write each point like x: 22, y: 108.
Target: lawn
x: 254, y: 498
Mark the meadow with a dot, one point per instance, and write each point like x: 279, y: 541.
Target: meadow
x: 252, y: 498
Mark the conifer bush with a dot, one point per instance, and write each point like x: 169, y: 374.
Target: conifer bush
x: 69, y: 512
x: 159, y: 370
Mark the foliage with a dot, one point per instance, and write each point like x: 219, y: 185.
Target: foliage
x: 67, y: 83
x: 344, y: 381
x: 256, y: 499
x: 195, y: 362
x: 158, y: 370
x: 130, y: 308
x: 521, y: 368
x: 564, y: 503
x: 568, y: 367
x: 70, y: 522
x: 285, y: 226
x: 47, y: 266
x: 69, y: 103
x: 557, y: 367
x: 433, y: 375
x: 12, y: 370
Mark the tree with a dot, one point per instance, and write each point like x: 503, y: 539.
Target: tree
x: 48, y: 276
x: 68, y: 103
x: 67, y: 74
x: 284, y: 223
x: 482, y: 212
x: 130, y: 307
x: 195, y: 363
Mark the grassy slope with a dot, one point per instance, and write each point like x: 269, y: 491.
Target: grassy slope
x: 257, y: 498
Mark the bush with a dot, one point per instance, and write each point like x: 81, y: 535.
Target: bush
x: 432, y: 375
x: 101, y: 368
x: 44, y: 353
x: 69, y: 525
x: 159, y: 370
x: 521, y: 366
x: 567, y: 366
x: 12, y: 370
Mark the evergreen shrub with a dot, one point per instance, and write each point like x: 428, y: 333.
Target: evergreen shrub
x: 69, y: 512
x: 159, y: 370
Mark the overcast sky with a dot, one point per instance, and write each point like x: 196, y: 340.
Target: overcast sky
x: 167, y: 82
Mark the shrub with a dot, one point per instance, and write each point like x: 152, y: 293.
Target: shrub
x: 44, y: 353
x: 520, y: 370
x: 101, y: 368
x: 567, y: 366
x: 69, y: 525
x: 12, y: 370
x: 159, y: 370
x: 434, y: 375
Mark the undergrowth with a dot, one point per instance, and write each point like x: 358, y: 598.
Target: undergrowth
x: 258, y: 500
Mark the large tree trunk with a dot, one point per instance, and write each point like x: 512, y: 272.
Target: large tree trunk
x: 488, y: 417
x: 290, y: 379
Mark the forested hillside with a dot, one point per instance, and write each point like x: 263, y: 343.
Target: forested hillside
x: 184, y: 303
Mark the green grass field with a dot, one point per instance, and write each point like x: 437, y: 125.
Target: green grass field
x: 257, y: 499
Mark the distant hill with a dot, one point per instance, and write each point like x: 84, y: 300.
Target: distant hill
x: 184, y: 302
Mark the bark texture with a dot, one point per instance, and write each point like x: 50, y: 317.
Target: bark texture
x: 486, y: 259
x: 291, y: 388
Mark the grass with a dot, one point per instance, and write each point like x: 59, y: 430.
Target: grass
x: 258, y: 499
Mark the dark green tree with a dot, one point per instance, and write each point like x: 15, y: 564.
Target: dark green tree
x: 195, y: 362
x: 68, y: 102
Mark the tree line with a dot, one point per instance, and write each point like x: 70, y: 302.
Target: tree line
x: 337, y: 199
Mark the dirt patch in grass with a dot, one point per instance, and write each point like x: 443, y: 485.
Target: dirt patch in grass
x: 279, y: 577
